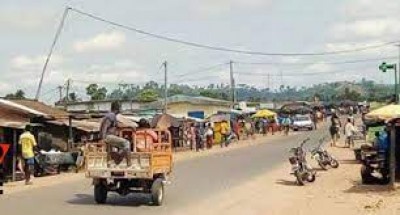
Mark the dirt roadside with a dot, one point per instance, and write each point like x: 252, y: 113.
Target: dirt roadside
x: 42, y: 182
x: 336, y: 191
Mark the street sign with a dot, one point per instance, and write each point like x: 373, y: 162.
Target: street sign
x: 384, y: 66
x: 3, y: 151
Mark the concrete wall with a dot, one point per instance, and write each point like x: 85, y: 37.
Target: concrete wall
x: 101, y: 106
x: 182, y: 109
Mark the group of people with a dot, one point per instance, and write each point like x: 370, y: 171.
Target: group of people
x: 349, y: 129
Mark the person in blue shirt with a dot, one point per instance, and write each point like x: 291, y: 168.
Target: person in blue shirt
x: 382, y: 142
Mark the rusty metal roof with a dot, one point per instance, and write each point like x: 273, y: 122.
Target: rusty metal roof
x: 42, y: 108
x: 83, y: 125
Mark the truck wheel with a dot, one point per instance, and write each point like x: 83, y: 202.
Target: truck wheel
x: 157, y: 192
x: 100, y: 193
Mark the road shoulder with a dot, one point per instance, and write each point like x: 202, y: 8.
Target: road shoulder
x: 336, y: 191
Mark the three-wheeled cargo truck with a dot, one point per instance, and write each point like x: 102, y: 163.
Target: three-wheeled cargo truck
x: 150, y: 165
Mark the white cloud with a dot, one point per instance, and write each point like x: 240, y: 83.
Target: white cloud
x: 368, y: 28
x: 217, y: 7
x: 101, y: 42
x: 361, y: 9
x: 25, y: 62
x: 24, y: 19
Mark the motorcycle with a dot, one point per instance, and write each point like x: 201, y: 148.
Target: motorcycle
x: 302, y: 171
x: 322, y: 156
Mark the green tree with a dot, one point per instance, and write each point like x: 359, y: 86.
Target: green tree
x: 19, y: 94
x: 95, y: 92
x: 72, y: 97
x: 148, y: 95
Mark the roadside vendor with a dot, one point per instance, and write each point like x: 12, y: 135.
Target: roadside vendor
x: 109, y: 133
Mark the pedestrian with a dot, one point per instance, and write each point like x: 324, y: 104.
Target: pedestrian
x: 193, y: 137
x: 334, y: 128
x: 109, y: 134
x: 349, y: 131
x: 286, y: 125
x: 272, y: 125
x: 236, y: 129
x: 209, y: 135
x: 28, y: 144
x: 265, y: 124
x: 199, y: 137
x: 314, y: 118
x: 224, y: 133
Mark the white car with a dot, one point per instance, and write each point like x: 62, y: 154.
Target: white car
x: 302, y: 122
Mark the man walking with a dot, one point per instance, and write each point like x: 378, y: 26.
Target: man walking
x: 28, y: 142
x: 224, y: 133
x: 286, y: 125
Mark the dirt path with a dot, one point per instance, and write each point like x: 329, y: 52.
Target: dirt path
x: 336, y: 191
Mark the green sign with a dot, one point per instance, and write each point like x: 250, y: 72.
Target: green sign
x: 384, y: 66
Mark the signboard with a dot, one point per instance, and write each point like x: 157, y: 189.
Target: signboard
x: 267, y: 105
x: 3, y: 151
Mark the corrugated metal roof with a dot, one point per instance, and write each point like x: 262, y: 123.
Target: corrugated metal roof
x: 10, y: 124
x: 84, y: 125
x: 22, y: 108
x: 43, y: 108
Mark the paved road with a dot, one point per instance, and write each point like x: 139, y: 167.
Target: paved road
x: 193, y: 181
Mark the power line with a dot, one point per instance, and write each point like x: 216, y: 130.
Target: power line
x: 312, y: 63
x: 224, y: 49
x: 205, y: 69
x: 295, y: 74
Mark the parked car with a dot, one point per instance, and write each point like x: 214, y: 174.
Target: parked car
x: 302, y: 122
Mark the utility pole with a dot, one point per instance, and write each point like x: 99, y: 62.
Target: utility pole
x: 397, y: 96
x: 232, y: 83
x: 53, y: 45
x: 392, y: 156
x: 67, y: 90
x: 165, y: 87
x: 67, y: 94
x: 60, y: 88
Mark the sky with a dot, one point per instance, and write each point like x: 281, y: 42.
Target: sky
x: 89, y: 51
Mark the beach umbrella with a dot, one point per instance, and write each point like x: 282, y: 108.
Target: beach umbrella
x: 385, y: 113
x: 219, y: 118
x: 263, y: 113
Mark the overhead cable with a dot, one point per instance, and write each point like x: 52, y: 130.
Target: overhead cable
x: 225, y: 49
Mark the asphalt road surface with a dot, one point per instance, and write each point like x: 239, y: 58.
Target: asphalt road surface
x: 192, y: 181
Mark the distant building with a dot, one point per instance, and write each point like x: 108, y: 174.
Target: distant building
x: 191, y: 106
x: 100, y: 106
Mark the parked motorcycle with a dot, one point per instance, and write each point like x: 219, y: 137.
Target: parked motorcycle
x: 302, y: 171
x: 322, y: 156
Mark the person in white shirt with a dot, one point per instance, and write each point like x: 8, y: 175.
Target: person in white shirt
x: 349, y: 131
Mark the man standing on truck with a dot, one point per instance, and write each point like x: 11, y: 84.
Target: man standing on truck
x: 109, y: 133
